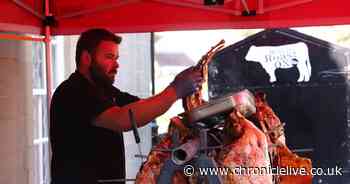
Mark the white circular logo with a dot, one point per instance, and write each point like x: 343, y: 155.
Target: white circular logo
x: 188, y: 170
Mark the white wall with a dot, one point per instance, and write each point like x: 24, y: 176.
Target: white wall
x: 134, y: 76
x: 16, y: 151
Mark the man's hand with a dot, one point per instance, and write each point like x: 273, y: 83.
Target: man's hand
x: 187, y: 82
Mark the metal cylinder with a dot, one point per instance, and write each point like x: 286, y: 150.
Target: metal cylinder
x: 185, y: 152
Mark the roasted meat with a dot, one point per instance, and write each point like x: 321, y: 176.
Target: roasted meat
x: 196, y: 99
x: 268, y: 122
x: 285, y: 158
x: 280, y: 154
x: 245, y: 146
x: 150, y: 169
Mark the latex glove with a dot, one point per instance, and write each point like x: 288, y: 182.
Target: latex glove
x: 187, y: 82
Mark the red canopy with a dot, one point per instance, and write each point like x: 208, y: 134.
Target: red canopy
x: 74, y: 16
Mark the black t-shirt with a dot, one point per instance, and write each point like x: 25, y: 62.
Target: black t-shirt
x: 82, y: 152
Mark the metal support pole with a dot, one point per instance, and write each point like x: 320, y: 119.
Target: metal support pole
x: 28, y: 8
x: 98, y: 9
x: 48, y: 56
x: 47, y: 40
x: 152, y: 64
x: 245, y: 5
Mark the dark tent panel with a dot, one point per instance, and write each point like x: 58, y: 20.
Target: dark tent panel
x: 315, y: 109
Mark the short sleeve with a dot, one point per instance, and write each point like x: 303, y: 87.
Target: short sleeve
x: 123, y: 98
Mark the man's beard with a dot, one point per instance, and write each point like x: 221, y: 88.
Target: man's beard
x: 99, y: 77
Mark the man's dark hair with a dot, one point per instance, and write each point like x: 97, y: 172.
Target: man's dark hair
x: 90, y: 39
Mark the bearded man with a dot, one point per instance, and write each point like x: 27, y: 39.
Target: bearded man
x: 88, y: 114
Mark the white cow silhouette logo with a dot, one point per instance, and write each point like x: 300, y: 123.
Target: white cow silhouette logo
x: 285, y: 56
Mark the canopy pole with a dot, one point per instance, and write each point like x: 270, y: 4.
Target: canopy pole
x: 48, y: 63
x: 245, y: 5
x: 97, y: 9
x: 29, y: 9
x: 48, y: 56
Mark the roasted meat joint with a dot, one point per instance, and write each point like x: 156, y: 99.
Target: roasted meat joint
x: 234, y: 139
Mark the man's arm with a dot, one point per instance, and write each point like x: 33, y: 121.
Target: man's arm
x: 144, y: 111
